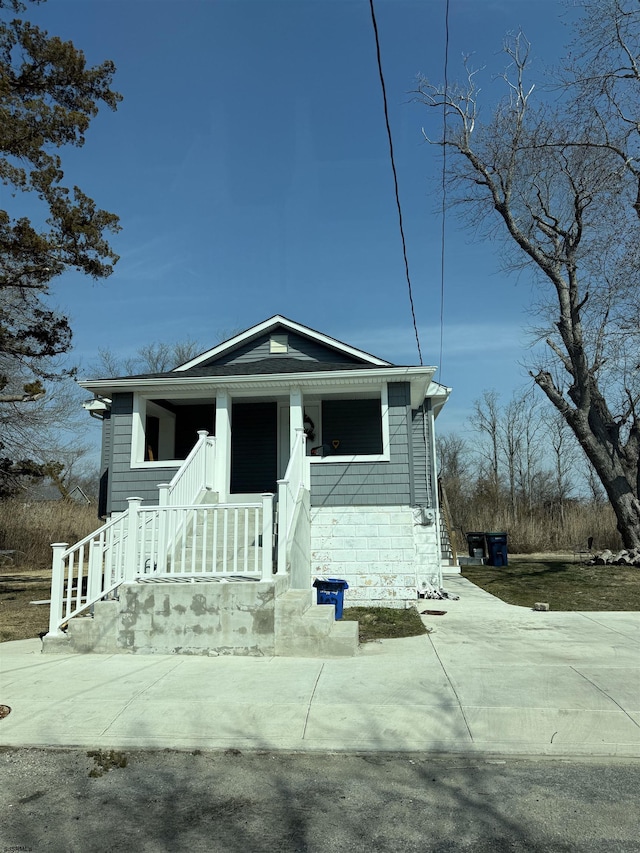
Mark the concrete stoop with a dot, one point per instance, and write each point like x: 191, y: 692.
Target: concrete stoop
x: 307, y: 629
x: 261, y: 618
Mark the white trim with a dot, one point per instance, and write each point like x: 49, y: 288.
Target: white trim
x: 223, y: 429
x: 267, y: 325
x: 141, y: 404
x: 163, y: 463
x: 310, y: 383
x: 137, y: 432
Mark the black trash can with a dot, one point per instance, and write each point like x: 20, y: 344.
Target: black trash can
x: 331, y: 591
x: 477, y: 542
x: 497, y: 547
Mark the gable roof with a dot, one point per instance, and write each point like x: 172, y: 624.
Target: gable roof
x: 270, y: 325
x: 219, y: 368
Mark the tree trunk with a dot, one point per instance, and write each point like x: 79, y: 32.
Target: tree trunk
x: 620, y: 488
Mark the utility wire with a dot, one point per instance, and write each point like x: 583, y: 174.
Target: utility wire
x: 395, y: 177
x: 444, y: 178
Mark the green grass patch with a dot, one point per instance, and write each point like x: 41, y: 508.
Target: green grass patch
x: 383, y: 623
x: 562, y: 583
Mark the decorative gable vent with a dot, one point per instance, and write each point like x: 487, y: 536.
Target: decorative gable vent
x: 279, y: 342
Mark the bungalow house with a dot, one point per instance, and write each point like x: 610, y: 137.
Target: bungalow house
x: 278, y: 456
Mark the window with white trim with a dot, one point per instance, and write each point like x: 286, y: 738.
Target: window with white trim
x: 352, y: 428
x: 163, y: 431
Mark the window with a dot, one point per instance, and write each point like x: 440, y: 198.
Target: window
x: 351, y: 429
x: 165, y: 431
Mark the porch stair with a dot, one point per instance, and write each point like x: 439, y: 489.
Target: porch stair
x: 241, y: 618
x: 448, y: 555
x: 85, y: 634
x: 241, y: 552
x: 306, y: 629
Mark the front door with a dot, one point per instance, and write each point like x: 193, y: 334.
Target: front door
x: 254, y: 448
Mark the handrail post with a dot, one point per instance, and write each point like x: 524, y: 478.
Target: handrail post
x: 94, y: 583
x: 210, y: 456
x: 267, y: 536
x: 283, y: 515
x: 131, y: 553
x: 57, y: 588
x: 163, y: 543
x: 202, y: 440
x: 304, y: 465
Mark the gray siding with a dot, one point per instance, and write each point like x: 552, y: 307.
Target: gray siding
x: 299, y: 347
x: 422, y: 463
x: 371, y: 483
x: 125, y: 482
x: 105, y: 465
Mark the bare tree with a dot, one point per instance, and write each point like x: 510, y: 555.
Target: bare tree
x: 486, y: 421
x: 559, y: 179
x: 565, y: 455
x: 158, y: 357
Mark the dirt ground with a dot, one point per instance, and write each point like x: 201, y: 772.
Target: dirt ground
x: 19, y: 586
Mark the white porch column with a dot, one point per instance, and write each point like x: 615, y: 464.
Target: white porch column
x: 296, y: 415
x: 222, y: 471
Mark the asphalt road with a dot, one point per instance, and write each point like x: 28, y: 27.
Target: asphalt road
x: 59, y: 801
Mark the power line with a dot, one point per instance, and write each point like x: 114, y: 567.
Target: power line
x: 444, y: 178
x: 395, y: 177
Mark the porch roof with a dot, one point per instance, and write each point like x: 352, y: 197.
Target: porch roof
x: 263, y: 378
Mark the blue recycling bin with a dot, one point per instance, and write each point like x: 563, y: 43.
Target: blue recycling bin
x: 497, y: 548
x: 331, y: 591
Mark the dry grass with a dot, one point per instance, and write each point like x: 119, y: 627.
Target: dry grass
x: 29, y: 529
x: 382, y: 623
x: 19, y: 619
x: 561, y: 582
x: 541, y: 528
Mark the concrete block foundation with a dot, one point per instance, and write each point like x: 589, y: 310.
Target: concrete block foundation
x: 384, y: 553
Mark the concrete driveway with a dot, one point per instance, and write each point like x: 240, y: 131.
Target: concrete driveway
x: 491, y: 678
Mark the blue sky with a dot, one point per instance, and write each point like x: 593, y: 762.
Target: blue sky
x: 249, y: 165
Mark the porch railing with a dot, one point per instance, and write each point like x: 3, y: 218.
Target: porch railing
x: 216, y: 539
x: 296, y: 479
x: 195, y: 475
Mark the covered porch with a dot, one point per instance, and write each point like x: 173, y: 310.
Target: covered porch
x: 255, y: 429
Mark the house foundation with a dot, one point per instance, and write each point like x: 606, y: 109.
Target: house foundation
x: 385, y: 553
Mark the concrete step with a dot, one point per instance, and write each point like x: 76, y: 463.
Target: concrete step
x: 306, y: 629
x: 295, y: 602
x: 470, y: 561
x: 97, y: 634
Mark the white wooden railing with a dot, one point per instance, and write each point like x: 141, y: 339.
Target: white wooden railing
x: 87, y: 571
x: 290, y: 488
x: 195, y: 475
x: 216, y: 540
